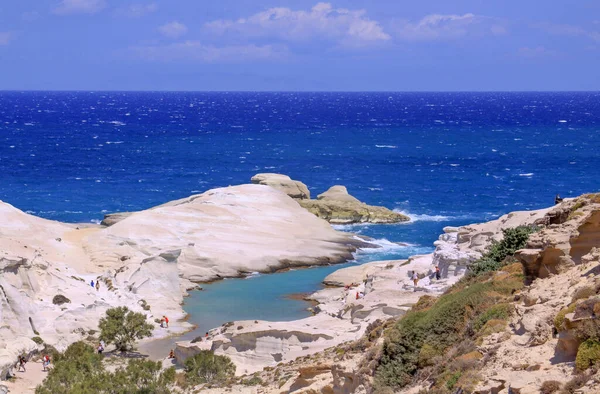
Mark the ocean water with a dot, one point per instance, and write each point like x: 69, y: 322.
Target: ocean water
x: 443, y: 158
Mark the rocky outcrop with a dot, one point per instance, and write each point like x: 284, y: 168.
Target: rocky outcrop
x: 284, y: 183
x: 338, y: 207
x: 114, y: 218
x: 147, y: 260
x: 335, y: 205
x: 571, y: 230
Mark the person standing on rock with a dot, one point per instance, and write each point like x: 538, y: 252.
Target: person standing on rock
x: 22, y: 362
x: 438, y: 274
x: 92, y: 283
x: 415, y: 279
x: 97, y: 285
x: 45, y: 362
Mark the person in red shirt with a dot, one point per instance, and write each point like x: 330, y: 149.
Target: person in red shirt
x: 166, y: 321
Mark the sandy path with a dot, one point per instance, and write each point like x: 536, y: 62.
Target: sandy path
x: 26, y: 382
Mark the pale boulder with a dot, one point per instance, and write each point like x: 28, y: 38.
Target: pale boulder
x: 294, y: 189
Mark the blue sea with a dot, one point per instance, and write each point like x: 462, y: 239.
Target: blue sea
x: 442, y: 158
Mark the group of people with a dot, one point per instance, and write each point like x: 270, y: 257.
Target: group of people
x: 22, y: 361
x: 415, y: 276
x: 164, y: 322
x: 97, y: 286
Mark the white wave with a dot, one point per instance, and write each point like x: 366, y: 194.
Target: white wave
x: 385, y: 246
x: 454, y: 165
x: 375, y: 188
x: 252, y: 275
x: 415, y: 217
x: 562, y: 121
x: 114, y: 142
x: 386, y: 146
x: 529, y: 174
x: 116, y: 123
x: 95, y: 221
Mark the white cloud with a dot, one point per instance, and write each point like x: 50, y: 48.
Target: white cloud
x: 567, y: 30
x: 536, y: 52
x: 322, y: 22
x: 67, y: 7
x: 448, y: 27
x: 173, y: 29
x: 137, y: 10
x: 5, y: 37
x: 194, y: 51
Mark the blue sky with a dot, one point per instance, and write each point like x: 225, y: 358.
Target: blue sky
x: 348, y: 45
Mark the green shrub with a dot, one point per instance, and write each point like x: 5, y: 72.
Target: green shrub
x: 37, y: 340
x: 496, y: 312
x: 253, y: 381
x: 60, y: 299
x: 583, y: 293
x: 560, y: 316
x: 426, y: 355
x: 122, y: 327
x: 513, y: 240
x: 80, y: 370
x: 588, y: 354
x: 450, y: 383
x: 207, y: 367
x: 550, y: 387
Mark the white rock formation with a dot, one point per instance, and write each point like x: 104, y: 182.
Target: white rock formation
x: 147, y: 258
x: 284, y: 183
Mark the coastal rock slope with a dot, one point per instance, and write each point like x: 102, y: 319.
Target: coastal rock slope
x: 146, y: 261
x: 356, y: 299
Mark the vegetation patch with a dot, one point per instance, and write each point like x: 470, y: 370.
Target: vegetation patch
x: 588, y: 354
x: 560, y: 316
x: 37, y: 340
x: 207, y: 367
x: 80, y: 370
x: 513, y: 240
x: 414, y: 340
x: 60, y: 299
x: 583, y: 293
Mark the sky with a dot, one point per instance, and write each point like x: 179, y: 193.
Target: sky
x: 300, y: 45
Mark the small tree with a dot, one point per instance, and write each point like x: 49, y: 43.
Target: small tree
x: 206, y: 367
x: 122, y: 327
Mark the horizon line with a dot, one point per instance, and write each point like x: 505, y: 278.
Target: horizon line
x: 285, y: 91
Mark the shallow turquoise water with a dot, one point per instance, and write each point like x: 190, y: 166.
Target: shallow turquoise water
x: 265, y: 297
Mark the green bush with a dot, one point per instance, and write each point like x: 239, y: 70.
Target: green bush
x: 513, y: 240
x: 37, y: 340
x: 496, y: 312
x: 79, y: 370
x: 588, y: 354
x: 442, y: 325
x: 60, y: 299
x: 550, y: 387
x: 583, y: 292
x: 560, y: 316
x: 122, y: 327
x: 450, y: 383
x: 206, y: 367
